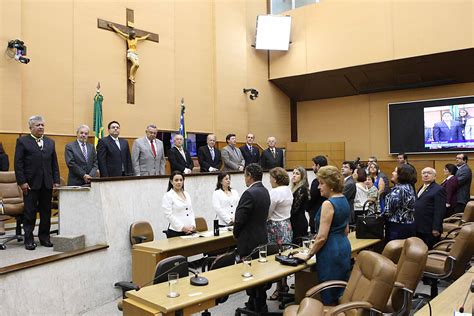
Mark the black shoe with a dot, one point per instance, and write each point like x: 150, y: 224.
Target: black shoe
x: 46, y: 243
x: 31, y: 246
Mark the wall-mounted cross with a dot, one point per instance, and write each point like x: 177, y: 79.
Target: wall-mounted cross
x: 132, y: 36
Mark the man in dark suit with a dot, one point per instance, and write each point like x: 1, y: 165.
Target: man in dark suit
x: 314, y: 204
x: 209, y: 156
x: 251, y: 153
x: 430, y: 208
x: 349, y: 192
x: 179, y: 158
x: 250, y: 226
x: 447, y: 129
x: 464, y: 175
x: 81, y: 159
x: 113, y: 154
x: 37, y: 172
x: 271, y: 157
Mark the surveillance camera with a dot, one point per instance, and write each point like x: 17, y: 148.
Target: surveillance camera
x: 17, y: 49
x: 253, y: 93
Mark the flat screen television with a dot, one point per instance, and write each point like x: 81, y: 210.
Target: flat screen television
x: 432, y: 126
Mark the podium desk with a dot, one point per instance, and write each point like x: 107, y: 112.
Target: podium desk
x: 152, y: 300
x: 452, y: 298
x: 146, y: 255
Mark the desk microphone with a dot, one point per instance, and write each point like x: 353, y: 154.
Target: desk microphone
x: 197, y: 280
x: 470, y: 289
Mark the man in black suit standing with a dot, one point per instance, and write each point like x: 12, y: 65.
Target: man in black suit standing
x: 314, y: 204
x: 81, y: 158
x: 113, y: 154
x: 209, y: 156
x: 430, y: 208
x: 37, y: 172
x: 250, y: 228
x: 250, y: 152
x: 464, y: 175
x: 350, y: 189
x: 179, y: 158
x: 447, y: 129
x: 271, y: 157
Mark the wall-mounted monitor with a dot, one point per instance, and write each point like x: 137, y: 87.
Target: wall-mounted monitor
x: 432, y: 126
x: 273, y: 32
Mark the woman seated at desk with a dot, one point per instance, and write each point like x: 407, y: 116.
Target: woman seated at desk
x: 178, y: 208
x: 224, y: 200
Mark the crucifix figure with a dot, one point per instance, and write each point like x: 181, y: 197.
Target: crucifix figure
x: 132, y: 36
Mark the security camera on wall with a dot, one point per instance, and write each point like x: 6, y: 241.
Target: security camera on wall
x: 273, y: 32
x: 253, y: 93
x: 17, y: 49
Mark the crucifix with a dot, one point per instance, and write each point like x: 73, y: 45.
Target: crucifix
x: 132, y: 36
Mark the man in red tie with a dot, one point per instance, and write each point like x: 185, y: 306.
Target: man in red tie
x: 148, y: 158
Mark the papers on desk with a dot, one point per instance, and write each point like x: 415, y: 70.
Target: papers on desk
x: 456, y: 313
x: 201, y: 234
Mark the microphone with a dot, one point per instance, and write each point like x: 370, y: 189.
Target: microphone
x: 469, y: 290
x: 197, y: 280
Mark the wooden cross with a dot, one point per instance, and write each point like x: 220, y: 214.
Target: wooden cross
x: 103, y: 24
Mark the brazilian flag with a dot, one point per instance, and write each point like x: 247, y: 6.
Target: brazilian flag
x: 98, y: 127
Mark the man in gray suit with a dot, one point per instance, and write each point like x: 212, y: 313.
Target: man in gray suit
x: 464, y: 175
x: 148, y: 155
x: 81, y: 158
x: 231, y: 155
x: 350, y: 189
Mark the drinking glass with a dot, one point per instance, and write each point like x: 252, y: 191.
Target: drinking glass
x: 247, y: 264
x: 306, y: 245
x: 173, y: 284
x: 262, y: 253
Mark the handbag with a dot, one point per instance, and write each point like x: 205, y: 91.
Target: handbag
x: 289, y: 260
x: 370, y: 226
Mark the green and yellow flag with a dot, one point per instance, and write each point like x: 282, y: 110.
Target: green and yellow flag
x: 98, y: 127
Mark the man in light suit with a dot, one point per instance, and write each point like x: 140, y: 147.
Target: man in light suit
x: 209, y: 156
x: 251, y: 153
x: 36, y: 172
x: 447, y: 129
x: 430, y: 208
x: 272, y: 157
x: 231, y: 155
x: 81, y: 158
x: 464, y: 175
x: 349, y: 191
x: 148, y: 155
x: 179, y: 158
x: 113, y: 154
x: 250, y: 226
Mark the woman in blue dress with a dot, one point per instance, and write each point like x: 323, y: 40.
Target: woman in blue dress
x: 331, y: 247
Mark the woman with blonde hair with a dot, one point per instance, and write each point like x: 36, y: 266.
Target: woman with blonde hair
x: 300, y: 187
x: 331, y: 247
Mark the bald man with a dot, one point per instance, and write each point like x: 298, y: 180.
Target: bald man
x: 179, y: 158
x: 271, y: 157
x: 430, y: 208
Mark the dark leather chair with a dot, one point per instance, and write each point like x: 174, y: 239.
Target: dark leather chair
x: 11, y: 198
x: 410, y: 256
x: 451, y: 264
x: 368, y: 289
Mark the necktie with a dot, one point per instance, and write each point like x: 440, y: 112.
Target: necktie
x: 212, y: 153
x: 422, y: 190
x: 250, y: 149
x: 83, y: 149
x: 273, y: 153
x: 153, y: 150
x: 40, y: 145
x: 182, y: 153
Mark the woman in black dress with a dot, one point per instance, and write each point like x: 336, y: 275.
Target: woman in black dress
x: 300, y: 188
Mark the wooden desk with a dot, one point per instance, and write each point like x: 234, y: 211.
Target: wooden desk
x: 145, y: 256
x: 152, y: 300
x: 452, y: 297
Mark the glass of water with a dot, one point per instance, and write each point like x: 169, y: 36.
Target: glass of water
x: 262, y: 253
x: 306, y: 245
x: 247, y: 264
x: 173, y: 284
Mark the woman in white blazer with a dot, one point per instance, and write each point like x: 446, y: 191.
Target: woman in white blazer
x: 178, y: 208
x: 224, y: 200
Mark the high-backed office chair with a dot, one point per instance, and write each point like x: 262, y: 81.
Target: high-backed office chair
x: 368, y: 289
x: 450, y: 265
x: 141, y: 232
x: 201, y: 224
x: 175, y: 264
x: 12, y: 198
x: 410, y: 256
x: 452, y: 225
